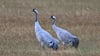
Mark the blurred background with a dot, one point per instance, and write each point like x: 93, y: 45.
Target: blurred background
x: 80, y: 17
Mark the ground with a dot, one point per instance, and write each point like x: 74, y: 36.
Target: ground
x: 80, y: 17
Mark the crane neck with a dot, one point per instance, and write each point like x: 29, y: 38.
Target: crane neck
x: 37, y: 25
x: 53, y: 22
x: 54, y: 26
x: 36, y: 15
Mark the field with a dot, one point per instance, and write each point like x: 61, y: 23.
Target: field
x: 80, y: 17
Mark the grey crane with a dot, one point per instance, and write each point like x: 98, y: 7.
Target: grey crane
x: 45, y: 38
x: 65, y: 36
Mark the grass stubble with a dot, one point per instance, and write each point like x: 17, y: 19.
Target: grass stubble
x: 17, y: 36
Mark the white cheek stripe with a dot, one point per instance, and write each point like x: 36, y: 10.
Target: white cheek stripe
x: 36, y: 11
x: 54, y: 17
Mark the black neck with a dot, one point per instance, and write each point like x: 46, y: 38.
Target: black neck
x: 36, y: 17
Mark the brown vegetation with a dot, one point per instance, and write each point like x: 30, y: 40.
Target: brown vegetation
x: 80, y: 17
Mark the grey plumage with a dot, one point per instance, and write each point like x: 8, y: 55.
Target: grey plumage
x: 45, y: 38
x: 65, y: 36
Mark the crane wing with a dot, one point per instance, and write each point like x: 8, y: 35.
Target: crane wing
x: 44, y: 36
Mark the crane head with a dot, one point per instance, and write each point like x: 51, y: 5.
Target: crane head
x: 35, y: 10
x: 53, y: 17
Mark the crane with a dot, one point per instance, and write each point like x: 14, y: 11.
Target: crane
x: 45, y: 38
x: 64, y: 36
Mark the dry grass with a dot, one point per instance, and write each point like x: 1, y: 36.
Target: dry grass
x: 80, y: 17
